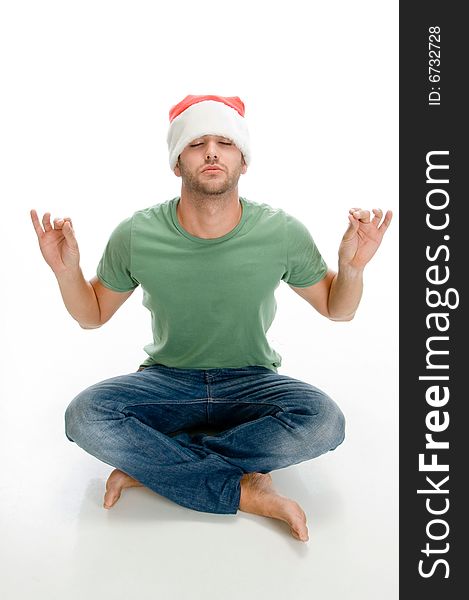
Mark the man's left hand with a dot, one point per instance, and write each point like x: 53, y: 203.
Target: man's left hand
x: 363, y: 237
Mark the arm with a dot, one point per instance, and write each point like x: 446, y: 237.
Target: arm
x: 89, y: 302
x: 338, y: 295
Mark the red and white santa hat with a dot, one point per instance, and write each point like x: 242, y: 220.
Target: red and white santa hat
x: 196, y: 116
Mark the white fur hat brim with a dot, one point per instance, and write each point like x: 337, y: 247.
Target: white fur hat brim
x: 208, y: 117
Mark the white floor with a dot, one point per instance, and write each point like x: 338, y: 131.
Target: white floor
x: 86, y: 106
x: 58, y: 542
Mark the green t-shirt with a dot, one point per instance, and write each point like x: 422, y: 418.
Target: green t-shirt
x: 211, y: 300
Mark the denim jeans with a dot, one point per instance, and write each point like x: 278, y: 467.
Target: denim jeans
x: 263, y: 421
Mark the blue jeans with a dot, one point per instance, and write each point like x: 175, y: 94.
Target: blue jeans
x: 263, y: 421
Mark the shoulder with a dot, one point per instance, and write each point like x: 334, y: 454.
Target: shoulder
x: 261, y: 207
x: 274, y: 212
x: 278, y: 221
x: 155, y: 211
x: 266, y: 214
x: 149, y: 215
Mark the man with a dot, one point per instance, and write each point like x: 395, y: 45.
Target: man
x: 208, y: 262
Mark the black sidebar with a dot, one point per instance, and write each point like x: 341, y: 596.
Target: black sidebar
x: 434, y: 357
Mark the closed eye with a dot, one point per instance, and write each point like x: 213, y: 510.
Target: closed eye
x: 201, y: 143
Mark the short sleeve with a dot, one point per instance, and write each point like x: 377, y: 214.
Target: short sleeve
x: 115, y: 267
x: 305, y: 265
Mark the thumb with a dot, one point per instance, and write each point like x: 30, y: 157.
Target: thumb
x: 351, y: 229
x: 69, y: 234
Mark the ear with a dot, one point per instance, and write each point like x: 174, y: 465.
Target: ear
x: 177, y: 170
x: 244, y: 166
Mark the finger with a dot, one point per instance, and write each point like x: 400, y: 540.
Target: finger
x: 69, y: 234
x: 352, y: 210
x: 386, y: 222
x: 378, y: 216
x: 352, y: 228
x: 46, y: 222
x: 59, y: 222
x: 37, y: 225
x: 362, y: 215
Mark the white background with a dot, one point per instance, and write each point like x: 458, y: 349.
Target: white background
x: 86, y: 90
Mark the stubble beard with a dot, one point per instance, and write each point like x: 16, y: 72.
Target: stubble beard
x: 209, y: 188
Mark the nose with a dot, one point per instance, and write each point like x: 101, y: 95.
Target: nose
x: 211, y: 151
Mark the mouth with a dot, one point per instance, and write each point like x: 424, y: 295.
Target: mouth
x: 211, y: 169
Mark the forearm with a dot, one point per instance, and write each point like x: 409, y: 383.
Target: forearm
x: 345, y: 294
x: 79, y: 298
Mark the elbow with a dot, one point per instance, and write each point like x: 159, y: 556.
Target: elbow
x: 341, y: 317
x: 87, y: 326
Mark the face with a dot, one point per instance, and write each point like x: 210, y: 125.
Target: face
x: 210, y: 165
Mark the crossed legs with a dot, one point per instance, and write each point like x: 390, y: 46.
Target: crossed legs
x: 138, y: 423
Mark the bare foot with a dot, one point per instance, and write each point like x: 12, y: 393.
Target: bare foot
x: 117, y: 481
x: 259, y: 497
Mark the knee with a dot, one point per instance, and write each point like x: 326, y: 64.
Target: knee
x: 71, y: 418
x: 77, y: 414
x: 336, y: 428
x: 327, y: 429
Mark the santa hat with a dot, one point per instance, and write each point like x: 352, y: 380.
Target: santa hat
x: 196, y: 116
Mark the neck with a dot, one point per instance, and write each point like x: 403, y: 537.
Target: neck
x: 209, y: 216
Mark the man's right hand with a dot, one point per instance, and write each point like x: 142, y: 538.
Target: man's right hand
x: 58, y: 244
